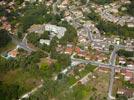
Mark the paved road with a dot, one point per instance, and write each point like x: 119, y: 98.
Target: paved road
x: 113, y: 55
x: 22, y: 44
x: 112, y: 61
x: 96, y: 63
x: 85, y: 77
x: 55, y: 6
x: 90, y: 37
x: 110, y: 97
x: 25, y: 47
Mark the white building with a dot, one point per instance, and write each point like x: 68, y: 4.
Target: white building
x: 56, y: 29
x: 43, y: 41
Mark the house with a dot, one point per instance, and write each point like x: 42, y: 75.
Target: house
x: 128, y: 75
x: 132, y: 81
x: 130, y: 25
x: 130, y: 66
x: 82, y: 39
x: 65, y: 2
x: 117, y: 70
x: 77, y: 50
x: 59, y: 31
x: 121, y: 91
x: 116, y: 76
x: 13, y: 53
x: 129, y: 93
x: 84, y: 80
x: 126, y: 92
x: 69, y: 50
x: 103, y: 69
x: 82, y: 54
x: 123, y: 71
x: 122, y: 60
x: 6, y: 26
x: 88, y: 57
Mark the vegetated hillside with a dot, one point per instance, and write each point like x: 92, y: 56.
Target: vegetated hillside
x: 4, y: 38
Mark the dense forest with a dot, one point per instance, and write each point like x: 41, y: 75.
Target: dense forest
x: 4, y: 38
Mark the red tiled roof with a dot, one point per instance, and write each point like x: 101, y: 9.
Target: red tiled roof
x: 69, y: 50
x: 13, y: 53
x: 132, y: 81
x: 129, y: 74
x: 77, y: 49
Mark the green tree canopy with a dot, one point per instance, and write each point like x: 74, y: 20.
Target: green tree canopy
x: 4, y: 38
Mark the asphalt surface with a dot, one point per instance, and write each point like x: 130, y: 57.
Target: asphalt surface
x: 22, y: 44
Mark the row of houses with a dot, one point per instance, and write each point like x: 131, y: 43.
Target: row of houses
x: 129, y: 93
x: 105, y: 13
x: 129, y: 77
x: 85, y: 54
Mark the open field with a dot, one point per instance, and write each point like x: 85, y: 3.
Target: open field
x: 95, y: 89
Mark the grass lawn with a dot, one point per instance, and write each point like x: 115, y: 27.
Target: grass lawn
x: 88, y: 68
x: 46, y: 61
x: 81, y: 74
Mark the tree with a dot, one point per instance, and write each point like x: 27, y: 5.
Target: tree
x: 111, y: 48
x: 12, y: 91
x: 70, y: 35
x: 4, y: 38
x: 33, y: 38
x: 19, y: 2
x: 3, y: 12
x: 45, y: 35
x: 45, y: 47
x: 122, y: 52
x: 33, y: 15
x: 53, y: 45
x: 64, y: 60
